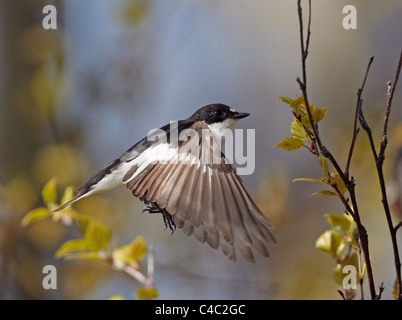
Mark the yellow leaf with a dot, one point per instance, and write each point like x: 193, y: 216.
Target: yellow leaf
x: 285, y: 100
x: 67, y: 195
x: 298, y: 131
x: 71, y: 246
x: 337, y: 180
x: 116, y: 297
x: 329, y: 242
x: 297, y: 103
x: 324, y: 165
x: 132, y: 252
x: 325, y: 193
x: 318, y: 114
x: 395, y: 290
x: 147, y: 293
x: 344, y: 222
x: 49, y: 192
x: 307, y: 179
x: 34, y: 215
x: 97, y: 235
x: 351, y: 260
x: 290, y: 144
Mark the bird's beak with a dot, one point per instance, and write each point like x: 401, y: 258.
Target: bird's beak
x: 240, y: 115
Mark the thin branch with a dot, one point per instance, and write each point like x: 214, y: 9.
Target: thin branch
x: 320, y: 148
x: 380, y: 290
x: 357, y: 115
x: 379, y: 160
x: 379, y: 163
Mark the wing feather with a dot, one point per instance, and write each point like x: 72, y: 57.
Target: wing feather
x: 207, y: 200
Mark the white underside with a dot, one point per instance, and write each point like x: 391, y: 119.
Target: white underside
x: 158, y: 153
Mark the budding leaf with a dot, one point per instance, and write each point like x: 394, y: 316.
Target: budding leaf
x: 343, y: 222
x: 307, y: 179
x: 71, y: 246
x: 324, y: 165
x: 34, y: 215
x: 351, y: 260
x: 132, y: 252
x: 49, y: 192
x: 337, y: 180
x: 298, y: 131
x: 97, y: 235
x: 285, y: 100
x: 147, y: 293
x: 297, y: 103
x: 290, y: 144
x: 67, y: 195
x: 329, y: 242
x: 325, y: 193
x: 318, y: 114
x: 395, y: 290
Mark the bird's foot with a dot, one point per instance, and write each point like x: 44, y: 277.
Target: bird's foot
x: 167, y: 217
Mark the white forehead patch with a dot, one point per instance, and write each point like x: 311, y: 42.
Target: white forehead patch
x: 232, y: 110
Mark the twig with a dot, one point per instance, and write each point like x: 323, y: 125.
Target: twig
x: 151, y: 263
x: 357, y: 115
x: 379, y: 164
x: 379, y: 161
x: 380, y: 290
x: 320, y: 148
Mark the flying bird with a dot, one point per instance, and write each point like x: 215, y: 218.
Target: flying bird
x: 182, y: 173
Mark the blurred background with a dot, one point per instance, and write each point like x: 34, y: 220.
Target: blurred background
x: 75, y: 98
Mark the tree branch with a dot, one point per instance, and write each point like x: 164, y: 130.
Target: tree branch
x: 357, y: 116
x: 320, y: 148
x: 379, y: 161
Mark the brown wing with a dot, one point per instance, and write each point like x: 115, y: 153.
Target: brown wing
x: 208, y: 199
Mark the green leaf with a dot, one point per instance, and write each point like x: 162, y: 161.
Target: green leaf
x: 337, y: 180
x: 285, y: 99
x: 147, y: 293
x: 298, y: 131
x: 318, y: 114
x: 343, y: 222
x: 324, y: 165
x: 307, y: 179
x: 329, y: 242
x: 297, y: 103
x: 290, y: 144
x: 67, y: 195
x: 351, y: 260
x: 49, y: 192
x: 325, y: 193
x: 395, y: 290
x: 71, y: 246
x: 34, y: 215
x: 130, y: 253
x: 97, y: 235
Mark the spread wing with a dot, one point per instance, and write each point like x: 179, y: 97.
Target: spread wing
x: 204, y: 195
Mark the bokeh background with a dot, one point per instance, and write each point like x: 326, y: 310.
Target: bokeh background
x: 75, y: 98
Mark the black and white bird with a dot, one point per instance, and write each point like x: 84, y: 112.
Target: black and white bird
x: 191, y: 183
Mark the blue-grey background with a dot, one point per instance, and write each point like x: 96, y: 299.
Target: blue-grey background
x: 124, y: 74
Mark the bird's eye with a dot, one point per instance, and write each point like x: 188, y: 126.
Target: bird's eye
x: 217, y: 112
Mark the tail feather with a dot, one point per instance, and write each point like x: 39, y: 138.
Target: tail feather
x: 81, y: 194
x: 92, y: 185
